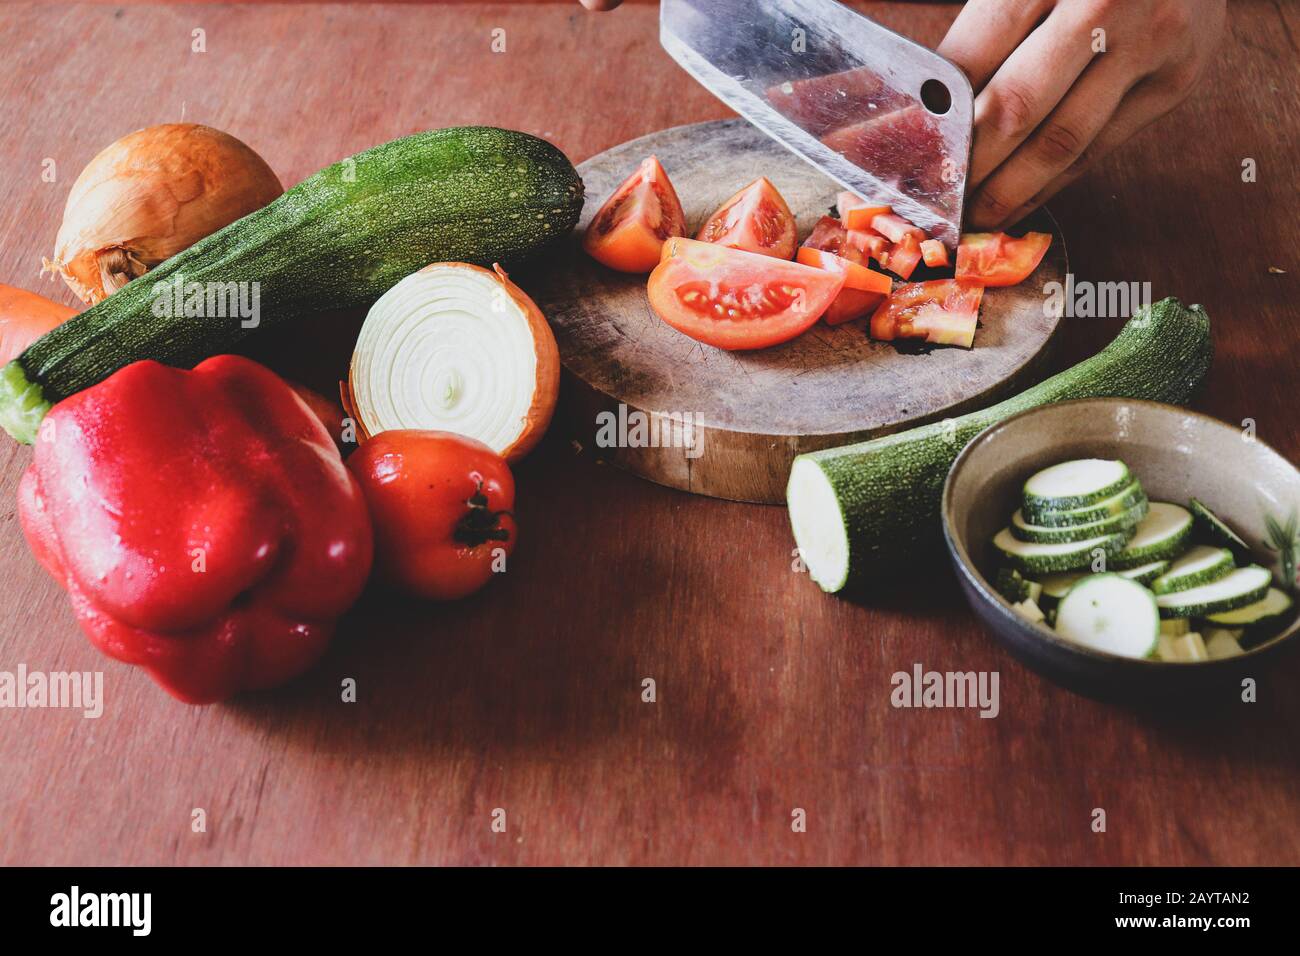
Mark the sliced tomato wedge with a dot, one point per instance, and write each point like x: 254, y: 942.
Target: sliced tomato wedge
x: 902, y: 257
x: 734, y: 299
x: 756, y: 219
x: 934, y: 253
x: 856, y: 275
x: 857, y: 213
x: 943, y: 312
x: 852, y: 304
x: 894, y: 227
x: 628, y: 232
x: 996, y: 259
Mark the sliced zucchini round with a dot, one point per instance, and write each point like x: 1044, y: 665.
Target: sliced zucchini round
x: 1216, y: 530
x: 1145, y: 573
x: 1129, y: 497
x: 1035, y: 558
x: 1075, y: 484
x: 1161, y: 536
x: 1273, y: 608
x: 1110, y: 613
x: 1046, y: 534
x: 1237, y: 589
x: 1200, y: 565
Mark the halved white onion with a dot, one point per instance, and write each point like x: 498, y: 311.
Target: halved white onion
x: 458, y: 348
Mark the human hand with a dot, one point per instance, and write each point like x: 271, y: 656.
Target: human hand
x: 1050, y: 101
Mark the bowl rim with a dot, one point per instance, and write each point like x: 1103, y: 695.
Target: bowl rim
x: 969, y: 569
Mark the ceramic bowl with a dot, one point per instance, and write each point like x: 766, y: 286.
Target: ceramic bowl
x: 1177, y: 454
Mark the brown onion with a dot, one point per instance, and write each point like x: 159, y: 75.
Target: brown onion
x: 148, y: 196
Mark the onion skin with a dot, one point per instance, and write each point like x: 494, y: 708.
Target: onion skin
x: 548, y: 370
x: 150, y: 195
x: 546, y: 388
x: 25, y: 317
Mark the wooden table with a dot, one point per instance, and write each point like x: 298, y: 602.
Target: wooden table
x: 771, y: 696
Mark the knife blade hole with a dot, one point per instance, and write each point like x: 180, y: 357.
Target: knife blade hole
x: 936, y: 97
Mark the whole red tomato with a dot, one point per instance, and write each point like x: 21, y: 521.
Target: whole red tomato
x: 440, y: 504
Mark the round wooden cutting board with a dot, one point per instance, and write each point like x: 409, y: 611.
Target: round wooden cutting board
x: 753, y: 412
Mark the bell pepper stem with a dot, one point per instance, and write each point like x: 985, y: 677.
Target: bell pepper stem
x: 22, y: 403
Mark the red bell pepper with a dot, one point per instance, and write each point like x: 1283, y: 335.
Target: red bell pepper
x: 202, y: 522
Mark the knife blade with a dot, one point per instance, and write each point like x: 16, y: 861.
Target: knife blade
x: 879, y: 114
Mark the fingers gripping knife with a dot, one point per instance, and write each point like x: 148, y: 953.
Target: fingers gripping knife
x: 874, y: 111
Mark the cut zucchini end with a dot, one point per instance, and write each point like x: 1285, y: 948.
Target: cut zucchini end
x: 818, y: 523
x: 22, y: 403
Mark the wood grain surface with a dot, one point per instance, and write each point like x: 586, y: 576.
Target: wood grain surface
x: 528, y: 697
x: 736, y: 420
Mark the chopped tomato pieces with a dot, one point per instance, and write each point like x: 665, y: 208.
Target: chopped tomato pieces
x: 902, y: 257
x: 831, y: 237
x: 943, y: 312
x: 856, y: 276
x: 856, y: 213
x: 870, y: 243
x: 828, y: 235
x: 894, y: 227
x: 996, y: 259
x: 934, y: 253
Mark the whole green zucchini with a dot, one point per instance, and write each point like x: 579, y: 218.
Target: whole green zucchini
x: 339, y: 239
x: 873, y: 505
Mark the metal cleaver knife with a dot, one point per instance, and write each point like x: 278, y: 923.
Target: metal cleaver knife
x: 883, y: 116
